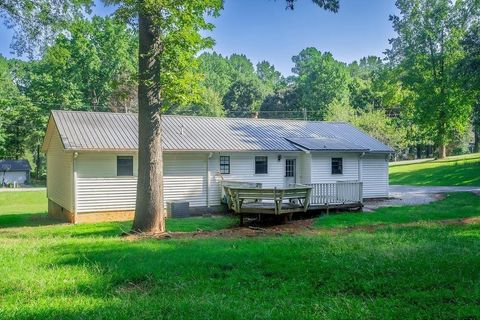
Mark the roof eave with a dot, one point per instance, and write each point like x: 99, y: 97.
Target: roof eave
x: 180, y: 150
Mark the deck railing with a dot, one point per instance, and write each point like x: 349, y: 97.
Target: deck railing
x: 336, y: 192
x: 235, y: 184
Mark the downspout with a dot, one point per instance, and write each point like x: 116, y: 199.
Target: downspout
x: 360, y: 174
x: 309, y: 159
x: 360, y: 166
x: 75, y: 197
x: 208, y: 178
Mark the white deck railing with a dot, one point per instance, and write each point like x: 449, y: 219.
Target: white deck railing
x: 336, y: 192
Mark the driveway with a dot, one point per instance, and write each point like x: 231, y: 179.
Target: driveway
x: 414, y: 195
x: 23, y: 189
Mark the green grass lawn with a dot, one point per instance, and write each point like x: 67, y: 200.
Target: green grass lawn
x: 89, y: 272
x: 454, y: 206
x: 452, y: 171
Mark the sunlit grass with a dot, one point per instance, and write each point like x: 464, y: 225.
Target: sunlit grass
x: 454, y: 206
x: 89, y: 272
x: 452, y: 171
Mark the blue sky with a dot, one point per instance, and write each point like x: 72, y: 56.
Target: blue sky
x: 264, y: 30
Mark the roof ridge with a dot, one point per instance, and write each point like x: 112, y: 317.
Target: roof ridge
x: 204, y: 117
x: 94, y: 112
x: 98, y: 130
x: 253, y: 119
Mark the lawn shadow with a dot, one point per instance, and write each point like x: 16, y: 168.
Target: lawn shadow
x: 181, y: 275
x: 26, y: 220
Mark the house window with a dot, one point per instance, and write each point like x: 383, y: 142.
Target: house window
x: 290, y: 167
x: 124, y: 165
x: 224, y: 164
x: 337, y: 166
x: 261, y: 165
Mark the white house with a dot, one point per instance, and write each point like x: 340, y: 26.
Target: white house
x: 92, y: 159
x: 14, y: 172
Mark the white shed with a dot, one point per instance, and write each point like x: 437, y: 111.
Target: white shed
x: 92, y: 160
x: 14, y: 172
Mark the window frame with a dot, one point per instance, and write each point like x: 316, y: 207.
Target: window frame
x: 224, y: 165
x: 293, y: 172
x: 339, y: 166
x: 266, y: 164
x: 125, y: 157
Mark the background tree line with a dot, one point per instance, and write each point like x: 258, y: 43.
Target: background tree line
x: 423, y: 99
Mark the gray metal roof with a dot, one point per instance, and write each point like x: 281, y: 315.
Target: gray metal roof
x: 326, y: 144
x: 14, y: 165
x: 119, y: 131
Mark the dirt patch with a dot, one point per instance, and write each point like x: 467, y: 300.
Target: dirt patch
x: 299, y: 227
x: 255, y: 230
x: 140, y: 285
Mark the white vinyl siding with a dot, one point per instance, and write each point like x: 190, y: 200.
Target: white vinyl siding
x: 321, y: 167
x: 375, y: 176
x: 60, y: 173
x: 242, y: 168
x: 106, y: 194
x: 99, y: 188
x: 304, y: 168
x: 185, y: 178
x: 189, y: 176
x: 100, y: 164
x: 14, y: 176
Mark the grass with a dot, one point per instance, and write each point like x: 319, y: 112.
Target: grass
x: 23, y: 209
x: 452, y: 171
x: 87, y: 271
x: 454, y: 206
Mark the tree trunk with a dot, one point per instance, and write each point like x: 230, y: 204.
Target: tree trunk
x: 476, y: 126
x: 442, y: 151
x: 419, y: 151
x: 442, y: 132
x: 149, y: 210
x: 476, y: 141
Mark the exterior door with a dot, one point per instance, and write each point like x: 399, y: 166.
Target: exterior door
x: 290, y: 171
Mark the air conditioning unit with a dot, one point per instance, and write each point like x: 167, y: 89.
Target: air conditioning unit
x: 178, y: 209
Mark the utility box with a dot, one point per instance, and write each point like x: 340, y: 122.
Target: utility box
x: 178, y: 209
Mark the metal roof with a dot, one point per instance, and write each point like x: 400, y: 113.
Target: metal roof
x: 14, y: 165
x: 102, y: 131
x: 326, y: 144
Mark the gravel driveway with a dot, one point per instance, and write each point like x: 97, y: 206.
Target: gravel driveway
x: 414, y: 195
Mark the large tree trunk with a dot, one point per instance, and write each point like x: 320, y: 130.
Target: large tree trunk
x: 419, y: 151
x: 442, y: 133
x: 149, y: 211
x: 442, y: 151
x: 476, y: 141
x: 476, y: 126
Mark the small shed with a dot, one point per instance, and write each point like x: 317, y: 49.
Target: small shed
x: 14, y: 171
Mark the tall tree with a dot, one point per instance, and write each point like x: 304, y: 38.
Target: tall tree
x: 469, y: 73
x: 37, y: 23
x: 84, y: 69
x: 169, y: 37
x: 427, y: 49
x: 283, y: 103
x: 320, y: 80
x: 217, y: 72
x: 244, y: 98
x: 20, y: 120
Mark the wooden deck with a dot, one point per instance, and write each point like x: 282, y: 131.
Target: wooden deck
x: 254, y: 199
